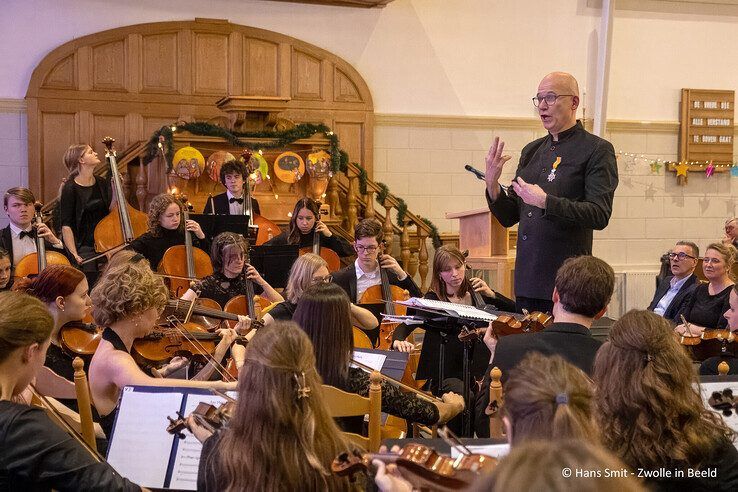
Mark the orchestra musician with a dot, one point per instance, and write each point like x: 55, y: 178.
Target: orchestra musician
x: 304, y: 221
x: 709, y: 366
x: 6, y: 279
x: 166, y: 230
x: 310, y: 269
x: 324, y: 313
x: 18, y: 238
x: 281, y: 436
x: 127, y: 301
x: 650, y: 410
x: 563, y: 190
x: 65, y: 292
x: 231, y: 272
x: 35, y: 454
x: 233, y: 175
x: 708, y: 302
x: 450, y: 284
x: 582, y: 292
x: 85, y: 199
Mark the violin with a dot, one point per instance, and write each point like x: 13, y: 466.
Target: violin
x: 509, y: 324
x: 330, y: 256
x: 206, y: 415
x: 124, y: 223
x: 34, y: 263
x: 710, y: 343
x: 385, y: 293
x: 421, y: 465
x: 184, y: 260
x: 80, y: 339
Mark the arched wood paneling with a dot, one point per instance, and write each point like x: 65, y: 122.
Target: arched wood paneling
x: 128, y: 82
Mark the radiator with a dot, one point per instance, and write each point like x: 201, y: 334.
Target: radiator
x: 633, y: 290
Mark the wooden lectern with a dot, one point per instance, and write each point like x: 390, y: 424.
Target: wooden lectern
x: 489, y: 248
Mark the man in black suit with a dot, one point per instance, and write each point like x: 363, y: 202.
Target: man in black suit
x: 233, y: 175
x: 583, y: 288
x: 19, y: 237
x: 562, y: 191
x: 355, y: 279
x: 673, y: 291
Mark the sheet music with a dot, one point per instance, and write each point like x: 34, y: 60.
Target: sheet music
x: 375, y: 361
x: 458, y: 310
x: 187, y: 459
x: 493, y: 450
x: 398, y: 318
x: 141, y: 445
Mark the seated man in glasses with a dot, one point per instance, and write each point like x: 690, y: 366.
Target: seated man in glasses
x: 673, y: 292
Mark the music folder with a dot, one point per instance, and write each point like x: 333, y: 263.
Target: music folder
x: 212, y: 225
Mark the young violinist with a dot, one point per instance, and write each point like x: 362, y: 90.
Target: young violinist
x: 450, y: 284
x: 5, y: 277
x: 228, y: 254
x: 304, y: 222
x: 356, y: 278
x: 233, y: 175
x: 708, y: 302
x: 127, y: 301
x: 281, y: 436
x: 650, y: 410
x: 85, y: 199
x: 310, y: 269
x: 35, y: 454
x: 166, y: 229
x: 709, y: 366
x: 324, y: 313
x: 19, y: 237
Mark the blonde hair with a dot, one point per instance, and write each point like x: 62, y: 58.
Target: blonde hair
x: 24, y: 320
x: 301, y: 275
x: 728, y: 253
x: 72, y: 156
x: 125, y: 290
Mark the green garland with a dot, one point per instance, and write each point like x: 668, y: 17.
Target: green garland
x: 382, y: 196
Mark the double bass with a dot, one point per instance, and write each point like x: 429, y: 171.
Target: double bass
x: 34, y: 263
x: 124, y: 223
x: 330, y: 256
x: 184, y: 261
x: 385, y: 293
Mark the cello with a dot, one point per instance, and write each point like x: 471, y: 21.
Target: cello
x: 34, y: 263
x: 330, y: 256
x: 124, y: 223
x: 184, y: 260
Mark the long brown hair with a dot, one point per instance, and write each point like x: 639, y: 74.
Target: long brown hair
x: 648, y: 409
x: 282, y: 436
x: 24, y: 320
x: 445, y: 257
x: 324, y: 313
x: 294, y: 231
x: 548, y: 398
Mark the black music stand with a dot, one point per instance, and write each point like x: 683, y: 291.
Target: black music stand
x: 212, y: 225
x: 274, y: 262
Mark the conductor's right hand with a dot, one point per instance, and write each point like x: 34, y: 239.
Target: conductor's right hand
x: 495, y: 160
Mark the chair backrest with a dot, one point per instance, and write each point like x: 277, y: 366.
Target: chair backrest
x: 84, y: 402
x: 343, y: 404
x: 361, y: 340
x: 496, y: 425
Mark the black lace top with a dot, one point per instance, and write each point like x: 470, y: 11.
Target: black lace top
x: 222, y: 289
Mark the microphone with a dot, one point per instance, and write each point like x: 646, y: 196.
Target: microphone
x: 476, y: 172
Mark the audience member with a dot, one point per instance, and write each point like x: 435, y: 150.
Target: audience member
x: 673, y: 292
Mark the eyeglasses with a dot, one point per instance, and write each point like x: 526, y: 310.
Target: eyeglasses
x: 368, y: 249
x: 322, y: 280
x: 681, y: 255
x: 549, y: 98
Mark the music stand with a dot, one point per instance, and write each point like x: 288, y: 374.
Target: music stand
x: 212, y: 225
x: 274, y: 262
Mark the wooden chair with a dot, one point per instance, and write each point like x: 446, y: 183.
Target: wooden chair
x: 496, y: 425
x: 361, y: 340
x: 343, y: 404
x: 84, y: 402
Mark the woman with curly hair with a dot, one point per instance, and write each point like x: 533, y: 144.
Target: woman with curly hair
x: 650, y: 413
x: 281, y: 436
x: 127, y: 301
x: 166, y: 229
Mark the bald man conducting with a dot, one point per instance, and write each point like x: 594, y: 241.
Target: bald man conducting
x: 562, y: 190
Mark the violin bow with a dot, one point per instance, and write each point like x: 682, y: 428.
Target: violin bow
x: 687, y: 325
x: 395, y: 382
x: 177, y: 325
x: 453, y: 440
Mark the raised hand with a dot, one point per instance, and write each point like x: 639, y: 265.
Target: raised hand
x: 495, y: 160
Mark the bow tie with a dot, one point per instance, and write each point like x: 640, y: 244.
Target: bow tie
x: 31, y: 234
x: 233, y: 199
